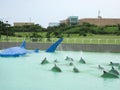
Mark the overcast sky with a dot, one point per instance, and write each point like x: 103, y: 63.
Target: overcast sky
x: 44, y: 11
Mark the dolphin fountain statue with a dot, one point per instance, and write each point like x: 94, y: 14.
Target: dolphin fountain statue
x: 114, y: 71
x: 82, y: 61
x: 100, y: 67
x: 114, y: 64
x: 53, y: 47
x: 21, y: 50
x: 76, y: 70
x: 15, y: 51
x: 109, y: 75
x: 56, y: 69
x: 45, y: 61
x: 119, y: 67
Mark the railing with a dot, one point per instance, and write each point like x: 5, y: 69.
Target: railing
x: 93, y: 41
x: 66, y: 40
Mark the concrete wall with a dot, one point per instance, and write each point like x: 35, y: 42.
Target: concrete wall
x: 92, y: 47
x: 67, y: 47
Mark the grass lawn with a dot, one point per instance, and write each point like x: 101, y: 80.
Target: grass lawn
x: 74, y: 38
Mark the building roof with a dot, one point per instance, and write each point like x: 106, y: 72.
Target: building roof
x: 23, y: 23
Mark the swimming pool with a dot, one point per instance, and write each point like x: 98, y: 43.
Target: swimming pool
x: 27, y: 73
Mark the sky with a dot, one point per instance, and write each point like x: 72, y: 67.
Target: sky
x: 45, y: 11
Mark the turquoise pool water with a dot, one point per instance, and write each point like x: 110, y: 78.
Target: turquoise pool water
x: 26, y: 72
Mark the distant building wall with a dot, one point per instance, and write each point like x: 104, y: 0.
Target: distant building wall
x: 96, y: 21
x: 23, y: 23
x: 100, y: 21
x: 53, y: 24
x: 64, y: 21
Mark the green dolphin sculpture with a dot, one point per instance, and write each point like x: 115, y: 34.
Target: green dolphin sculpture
x: 76, y: 70
x: 56, y: 69
x: 45, y: 61
x: 114, y: 71
x: 109, y: 75
x: 82, y: 61
x: 114, y: 64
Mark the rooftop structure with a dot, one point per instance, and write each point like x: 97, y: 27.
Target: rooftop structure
x: 23, y: 23
x: 53, y: 24
x: 71, y: 20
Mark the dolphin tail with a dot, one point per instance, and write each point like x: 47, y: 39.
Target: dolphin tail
x: 23, y: 45
x: 53, y: 47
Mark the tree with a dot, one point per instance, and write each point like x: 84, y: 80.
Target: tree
x: 5, y: 29
x: 48, y: 36
x: 118, y: 32
x: 1, y: 27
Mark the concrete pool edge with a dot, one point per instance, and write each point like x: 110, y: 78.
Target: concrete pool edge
x: 67, y: 47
